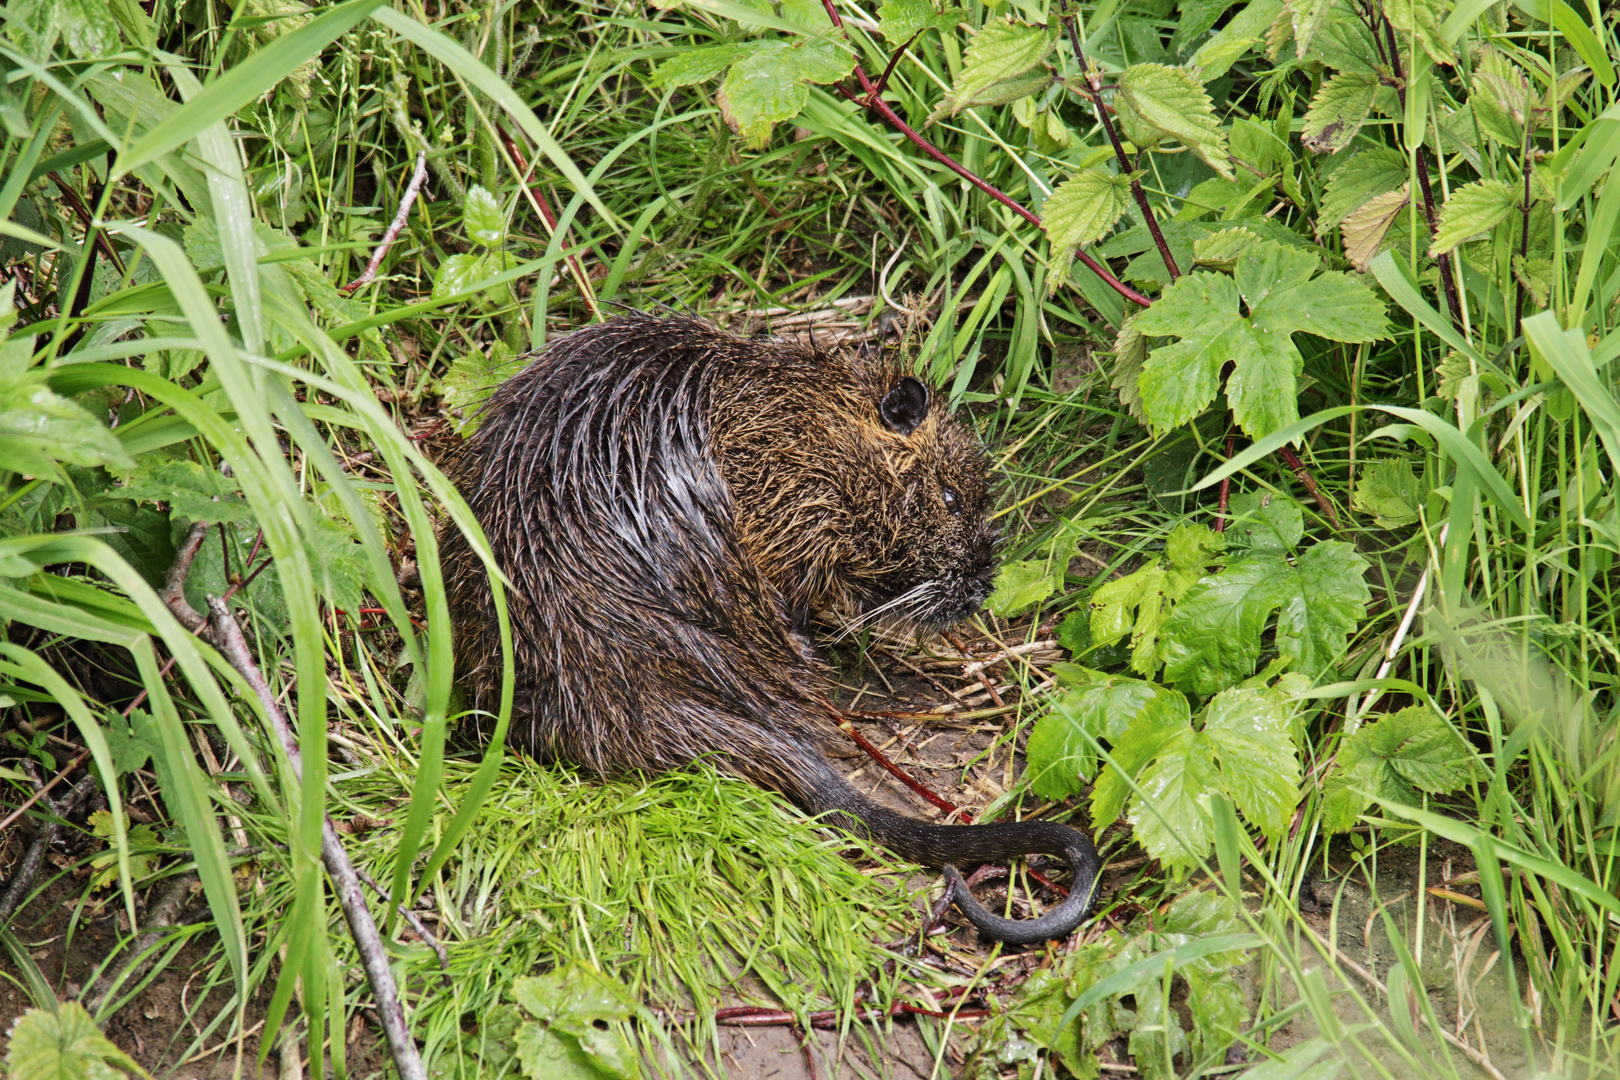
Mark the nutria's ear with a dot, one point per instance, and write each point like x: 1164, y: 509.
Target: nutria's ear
x: 906, y: 406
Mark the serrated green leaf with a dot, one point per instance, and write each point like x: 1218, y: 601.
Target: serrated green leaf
x: 809, y: 14
x: 1130, y: 353
x: 1389, y: 492
x: 1019, y: 89
x: 1306, y: 17
x: 1501, y: 98
x: 1390, y: 759
x: 1222, y: 250
x: 580, y: 1031
x: 901, y: 20
x: 1373, y: 171
x: 1062, y: 751
x: 768, y: 85
x: 1085, y: 208
x: 191, y: 491
x: 1001, y: 49
x: 64, y: 1045
x: 1257, y: 146
x: 1167, y: 816
x: 1179, y: 381
x: 696, y: 65
x: 1022, y: 585
x: 1194, y: 18
x: 1472, y: 210
x: 1422, y: 18
x: 483, y: 218
x: 1156, y: 730
x: 459, y: 273
x: 1320, y: 606
x: 1154, y: 102
x: 1258, y: 761
x: 1337, y: 112
x: 1265, y: 523
x: 41, y: 430
x: 1242, y: 32
x: 1366, y: 228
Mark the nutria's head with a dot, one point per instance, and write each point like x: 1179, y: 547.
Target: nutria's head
x: 863, y: 495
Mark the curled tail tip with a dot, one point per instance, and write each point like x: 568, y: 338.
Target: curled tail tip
x: 1056, y: 923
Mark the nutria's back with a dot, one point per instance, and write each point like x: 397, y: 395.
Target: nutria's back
x: 671, y: 505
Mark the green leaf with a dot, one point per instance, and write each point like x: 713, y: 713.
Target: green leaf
x: 579, y: 1033
x: 1265, y: 523
x: 768, y: 85
x: 1212, y: 639
x: 459, y: 273
x: 1337, y: 112
x: 1391, y: 759
x: 1022, y: 585
x: 1153, y: 731
x: 1307, y: 17
x: 1501, y: 98
x: 88, y: 28
x: 41, y: 430
x: 1366, y: 228
x: 64, y: 1045
x: 696, y: 65
x: 483, y: 218
x: 1018, y: 88
x: 1167, y: 816
x: 1372, y: 171
x: 1085, y: 208
x: 1178, y: 381
x: 1421, y: 18
x: 1389, y: 492
x: 1062, y: 751
x: 1258, y: 761
x: 1473, y: 210
x: 999, y: 50
x: 1154, y: 101
x: 901, y: 20
x: 1258, y: 147
x: 191, y: 491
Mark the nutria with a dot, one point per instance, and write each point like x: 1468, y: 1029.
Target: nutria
x: 671, y: 505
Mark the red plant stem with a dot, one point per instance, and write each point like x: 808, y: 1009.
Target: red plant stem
x: 1447, y: 279
x: 550, y: 217
x: 877, y: 755
x: 1094, y: 86
x: 871, y: 98
x: 1308, y: 480
x: 1226, y: 483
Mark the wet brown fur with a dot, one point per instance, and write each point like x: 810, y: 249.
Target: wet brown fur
x: 672, y: 504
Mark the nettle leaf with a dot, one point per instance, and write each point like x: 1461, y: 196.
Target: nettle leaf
x: 696, y: 65
x: 1062, y: 748
x: 1082, y: 210
x: 1337, y: 111
x: 1365, y: 229
x: 1022, y: 585
x: 1154, y: 102
x: 1221, y: 251
x: 1422, y: 18
x: 461, y: 272
x: 1389, y: 492
x: 901, y: 20
x: 41, y: 430
x: 999, y: 50
x: 1373, y: 171
x: 64, y: 1044
x: 1179, y: 381
x: 768, y: 85
x: 1019, y: 88
x: 1394, y: 758
x: 1306, y: 17
x: 1130, y: 353
x: 1473, y: 210
x: 470, y: 379
x: 190, y: 490
x: 483, y: 217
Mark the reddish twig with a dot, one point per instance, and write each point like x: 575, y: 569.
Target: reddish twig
x: 549, y: 215
x: 878, y: 756
x: 394, y: 229
x: 870, y: 97
x: 1447, y: 279
x: 1309, y: 481
x: 1093, y: 79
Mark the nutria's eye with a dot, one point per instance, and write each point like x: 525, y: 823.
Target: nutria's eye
x: 952, y: 501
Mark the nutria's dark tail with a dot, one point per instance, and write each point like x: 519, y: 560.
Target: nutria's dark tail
x: 825, y: 792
